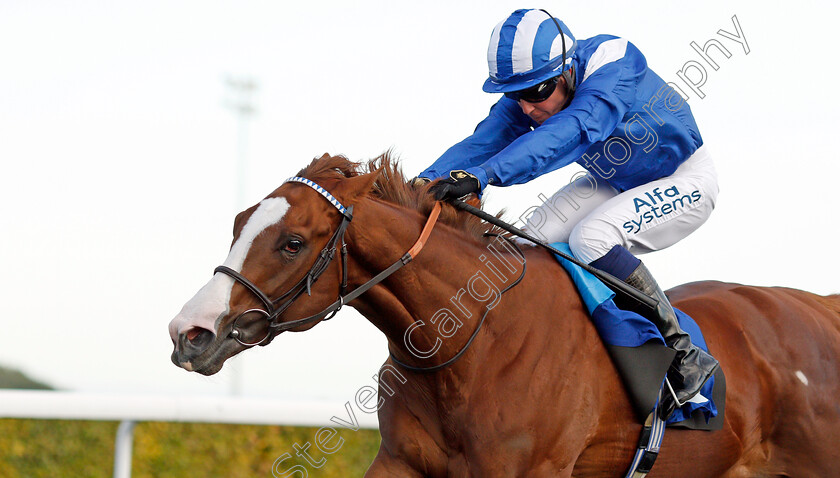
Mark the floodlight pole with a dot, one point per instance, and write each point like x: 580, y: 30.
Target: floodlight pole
x: 242, y: 92
x: 241, y: 102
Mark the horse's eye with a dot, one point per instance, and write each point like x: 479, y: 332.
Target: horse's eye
x: 293, y: 246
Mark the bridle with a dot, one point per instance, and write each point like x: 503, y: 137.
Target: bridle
x: 272, y: 310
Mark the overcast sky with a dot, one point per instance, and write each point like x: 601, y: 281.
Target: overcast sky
x: 119, y: 157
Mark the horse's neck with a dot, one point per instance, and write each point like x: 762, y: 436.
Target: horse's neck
x: 382, y: 233
x: 447, y: 289
x: 537, y: 345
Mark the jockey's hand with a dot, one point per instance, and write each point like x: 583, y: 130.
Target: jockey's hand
x: 418, y: 182
x: 457, y: 185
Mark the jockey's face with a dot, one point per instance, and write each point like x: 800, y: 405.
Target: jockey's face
x: 543, y: 110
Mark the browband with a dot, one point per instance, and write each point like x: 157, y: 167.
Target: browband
x: 323, y: 192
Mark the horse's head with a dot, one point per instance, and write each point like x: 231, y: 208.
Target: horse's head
x: 278, y: 250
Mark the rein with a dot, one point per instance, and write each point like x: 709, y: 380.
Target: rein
x: 461, y: 352
x: 610, y: 280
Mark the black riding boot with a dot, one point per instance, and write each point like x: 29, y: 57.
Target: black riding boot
x: 691, y: 367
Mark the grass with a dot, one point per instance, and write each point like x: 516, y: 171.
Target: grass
x: 63, y: 448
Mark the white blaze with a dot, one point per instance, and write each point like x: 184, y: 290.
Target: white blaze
x: 212, y: 301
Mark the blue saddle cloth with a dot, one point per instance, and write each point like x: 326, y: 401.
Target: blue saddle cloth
x: 628, y: 329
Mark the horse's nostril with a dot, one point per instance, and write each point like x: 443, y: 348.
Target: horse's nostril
x: 199, y: 338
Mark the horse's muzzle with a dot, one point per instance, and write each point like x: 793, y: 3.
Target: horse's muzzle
x: 190, y: 346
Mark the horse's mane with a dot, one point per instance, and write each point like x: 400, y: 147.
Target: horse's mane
x: 391, y: 186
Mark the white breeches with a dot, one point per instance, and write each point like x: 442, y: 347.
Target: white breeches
x: 593, y: 217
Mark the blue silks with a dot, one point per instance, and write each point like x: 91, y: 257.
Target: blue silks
x: 628, y: 329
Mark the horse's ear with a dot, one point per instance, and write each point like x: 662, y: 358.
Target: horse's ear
x: 356, y: 186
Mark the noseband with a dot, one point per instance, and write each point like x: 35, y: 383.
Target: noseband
x: 273, y: 311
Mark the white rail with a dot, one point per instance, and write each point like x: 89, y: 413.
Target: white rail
x: 130, y: 409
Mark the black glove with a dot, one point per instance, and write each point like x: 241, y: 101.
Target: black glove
x: 457, y: 185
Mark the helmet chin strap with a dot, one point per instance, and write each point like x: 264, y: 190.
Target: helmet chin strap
x: 571, y: 84
x: 567, y: 75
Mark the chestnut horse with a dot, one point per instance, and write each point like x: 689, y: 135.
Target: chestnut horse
x: 535, y: 393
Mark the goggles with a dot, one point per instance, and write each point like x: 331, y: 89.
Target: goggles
x: 536, y: 93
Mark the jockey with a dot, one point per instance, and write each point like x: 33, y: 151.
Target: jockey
x: 649, y: 183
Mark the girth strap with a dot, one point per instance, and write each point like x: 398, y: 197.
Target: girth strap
x: 650, y: 440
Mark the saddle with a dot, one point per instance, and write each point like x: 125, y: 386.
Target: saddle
x: 640, y: 355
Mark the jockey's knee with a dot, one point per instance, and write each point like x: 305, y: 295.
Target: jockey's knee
x: 544, y: 225
x: 554, y: 219
x: 535, y: 220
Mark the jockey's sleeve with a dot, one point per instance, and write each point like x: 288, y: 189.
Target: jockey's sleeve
x: 603, y: 97
x: 504, y: 123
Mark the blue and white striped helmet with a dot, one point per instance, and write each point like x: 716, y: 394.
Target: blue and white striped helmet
x: 526, y: 49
